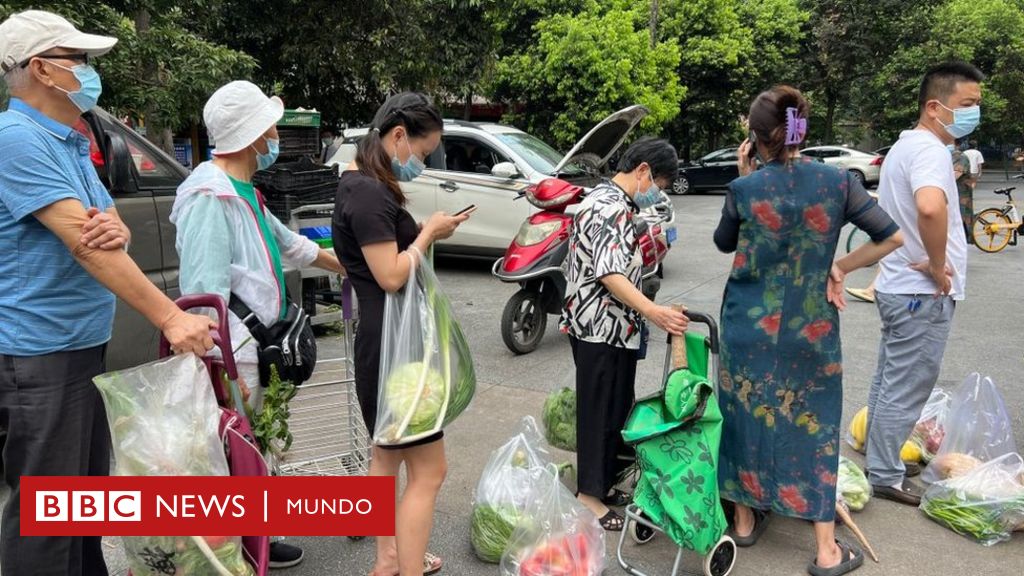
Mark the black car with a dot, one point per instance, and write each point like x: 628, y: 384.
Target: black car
x: 711, y: 172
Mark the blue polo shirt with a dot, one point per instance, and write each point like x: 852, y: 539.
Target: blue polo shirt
x: 48, y: 302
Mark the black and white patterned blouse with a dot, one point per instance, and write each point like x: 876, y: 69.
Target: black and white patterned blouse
x: 603, y: 243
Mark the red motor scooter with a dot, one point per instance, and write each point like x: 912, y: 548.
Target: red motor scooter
x: 537, y: 261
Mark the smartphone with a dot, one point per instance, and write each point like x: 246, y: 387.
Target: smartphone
x: 752, y: 153
x: 466, y: 210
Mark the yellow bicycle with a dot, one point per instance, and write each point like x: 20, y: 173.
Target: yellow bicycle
x: 996, y: 228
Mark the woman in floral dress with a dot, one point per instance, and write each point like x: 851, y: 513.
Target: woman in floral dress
x: 781, y: 381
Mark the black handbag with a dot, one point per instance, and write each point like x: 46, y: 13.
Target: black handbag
x: 287, y: 345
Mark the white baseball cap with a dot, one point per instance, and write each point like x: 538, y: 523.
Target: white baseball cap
x: 33, y: 32
x: 238, y: 113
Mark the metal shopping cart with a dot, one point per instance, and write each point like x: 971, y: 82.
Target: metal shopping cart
x: 329, y: 436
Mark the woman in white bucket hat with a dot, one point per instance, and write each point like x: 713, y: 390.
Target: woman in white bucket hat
x: 229, y: 243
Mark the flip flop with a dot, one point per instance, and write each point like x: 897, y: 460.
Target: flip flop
x: 852, y: 557
x: 761, y: 519
x: 612, y: 522
x: 617, y: 498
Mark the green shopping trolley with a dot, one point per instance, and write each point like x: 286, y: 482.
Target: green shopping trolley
x: 676, y: 434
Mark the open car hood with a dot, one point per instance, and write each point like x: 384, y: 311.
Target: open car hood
x: 594, y: 149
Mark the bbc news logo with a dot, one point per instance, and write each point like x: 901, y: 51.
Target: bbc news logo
x: 88, y: 506
x: 216, y: 506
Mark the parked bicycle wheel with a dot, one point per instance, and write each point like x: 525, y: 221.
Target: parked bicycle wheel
x: 992, y: 230
x: 855, y: 239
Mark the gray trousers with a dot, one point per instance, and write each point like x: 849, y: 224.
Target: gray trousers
x: 56, y: 426
x: 909, y: 358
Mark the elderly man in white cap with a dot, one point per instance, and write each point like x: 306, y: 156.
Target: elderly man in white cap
x: 229, y: 243
x: 62, y: 266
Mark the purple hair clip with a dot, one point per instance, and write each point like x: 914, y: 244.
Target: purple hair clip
x: 796, y: 127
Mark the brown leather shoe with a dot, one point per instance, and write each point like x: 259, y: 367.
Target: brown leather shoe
x: 906, y: 494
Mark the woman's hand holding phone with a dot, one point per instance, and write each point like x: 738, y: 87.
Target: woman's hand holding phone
x: 746, y: 163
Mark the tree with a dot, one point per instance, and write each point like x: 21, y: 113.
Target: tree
x: 580, y: 68
x: 986, y: 34
x: 162, y: 73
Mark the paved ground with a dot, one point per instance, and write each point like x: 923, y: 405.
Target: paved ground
x: 986, y: 337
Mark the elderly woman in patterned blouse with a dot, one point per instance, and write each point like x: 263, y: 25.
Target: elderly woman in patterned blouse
x: 604, y: 315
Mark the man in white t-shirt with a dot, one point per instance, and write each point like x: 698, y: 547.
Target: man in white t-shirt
x: 919, y: 283
x: 976, y: 159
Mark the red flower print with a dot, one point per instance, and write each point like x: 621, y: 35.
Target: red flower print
x: 766, y: 215
x: 752, y: 485
x: 792, y: 499
x: 816, y: 330
x: 827, y: 478
x: 833, y: 369
x: 816, y: 218
x: 770, y: 324
x: 739, y: 261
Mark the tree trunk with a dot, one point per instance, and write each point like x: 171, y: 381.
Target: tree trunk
x: 830, y: 116
x: 467, y: 108
x: 653, y: 24
x: 156, y: 132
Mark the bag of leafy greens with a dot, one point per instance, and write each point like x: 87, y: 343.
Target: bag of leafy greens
x: 427, y: 377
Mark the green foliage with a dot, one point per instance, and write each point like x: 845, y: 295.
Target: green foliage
x: 582, y: 68
x: 270, y: 425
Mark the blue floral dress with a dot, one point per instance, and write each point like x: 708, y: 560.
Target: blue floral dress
x: 781, y: 378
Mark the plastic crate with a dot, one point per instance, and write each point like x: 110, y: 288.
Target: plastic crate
x: 281, y: 205
x: 296, y: 142
x: 289, y: 177
x: 300, y: 118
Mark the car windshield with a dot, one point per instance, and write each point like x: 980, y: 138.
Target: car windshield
x: 536, y: 153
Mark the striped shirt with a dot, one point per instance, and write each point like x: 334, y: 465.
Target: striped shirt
x: 48, y: 302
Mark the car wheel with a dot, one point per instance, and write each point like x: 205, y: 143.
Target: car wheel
x: 860, y: 176
x: 681, y: 185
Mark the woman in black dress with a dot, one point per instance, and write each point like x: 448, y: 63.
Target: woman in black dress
x: 374, y: 235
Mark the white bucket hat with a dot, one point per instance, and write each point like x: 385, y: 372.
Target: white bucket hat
x: 239, y: 113
x: 33, y: 32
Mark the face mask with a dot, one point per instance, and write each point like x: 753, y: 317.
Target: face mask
x: 965, y: 120
x: 264, y: 161
x: 411, y: 169
x: 89, y: 89
x: 648, y: 198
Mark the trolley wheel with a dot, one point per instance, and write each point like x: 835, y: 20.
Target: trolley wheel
x: 641, y: 534
x: 721, y: 559
x: 523, y: 322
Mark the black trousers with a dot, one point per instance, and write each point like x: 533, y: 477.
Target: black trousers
x: 605, y: 382
x: 56, y: 426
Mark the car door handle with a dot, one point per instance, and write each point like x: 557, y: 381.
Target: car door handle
x: 449, y: 186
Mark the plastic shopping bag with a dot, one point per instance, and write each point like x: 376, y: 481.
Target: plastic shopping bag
x: 853, y: 485
x: 985, y: 504
x: 977, y: 430
x: 931, y: 426
x: 556, y: 536
x: 504, y: 490
x: 163, y: 420
x: 426, y: 375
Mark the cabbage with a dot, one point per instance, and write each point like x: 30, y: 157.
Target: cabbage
x: 559, y: 419
x: 491, y: 530
x: 401, y: 388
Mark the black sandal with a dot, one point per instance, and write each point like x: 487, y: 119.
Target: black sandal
x: 761, y: 519
x: 612, y: 522
x: 617, y: 498
x: 852, y: 558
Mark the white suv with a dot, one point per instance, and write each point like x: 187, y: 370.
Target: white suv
x: 486, y: 165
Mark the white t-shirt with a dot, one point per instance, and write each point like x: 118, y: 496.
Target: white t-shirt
x: 919, y: 160
x: 976, y: 159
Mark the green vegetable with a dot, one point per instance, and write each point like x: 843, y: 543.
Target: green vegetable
x: 559, y: 418
x: 401, y: 390
x: 270, y: 426
x: 853, y: 484
x: 160, y: 555
x: 491, y: 531
x: 988, y: 522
